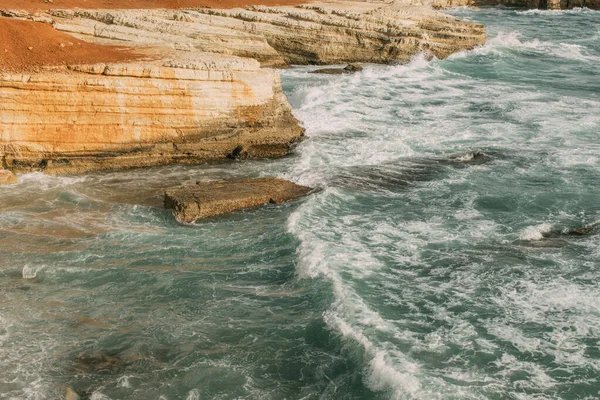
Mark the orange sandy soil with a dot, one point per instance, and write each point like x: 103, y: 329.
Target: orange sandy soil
x: 26, y: 46
x: 33, y: 5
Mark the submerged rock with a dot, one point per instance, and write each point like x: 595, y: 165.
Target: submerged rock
x: 98, y: 362
x: 557, y: 238
x: 476, y: 157
x: 576, y: 232
x: 542, y: 243
x: 348, y: 69
x: 71, y: 394
x: 206, y: 199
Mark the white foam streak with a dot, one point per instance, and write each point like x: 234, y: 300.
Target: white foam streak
x: 47, y: 182
x: 535, y: 232
x: 513, y: 41
x: 30, y: 272
x: 575, y: 10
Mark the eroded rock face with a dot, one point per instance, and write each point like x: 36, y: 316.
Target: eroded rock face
x: 206, y: 199
x: 108, y: 116
x: 7, y: 177
x: 333, y: 32
x: 203, y: 93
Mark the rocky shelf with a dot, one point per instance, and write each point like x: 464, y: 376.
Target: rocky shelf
x: 207, y: 199
x: 201, y: 85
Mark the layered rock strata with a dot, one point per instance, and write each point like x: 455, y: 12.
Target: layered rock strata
x: 106, y: 116
x: 206, y: 199
x: 204, y: 93
x: 316, y: 33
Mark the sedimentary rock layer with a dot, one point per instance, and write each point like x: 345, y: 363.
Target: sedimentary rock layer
x: 315, y: 33
x: 101, y: 116
x: 206, y: 199
x: 201, y: 94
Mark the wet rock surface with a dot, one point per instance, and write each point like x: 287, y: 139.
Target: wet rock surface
x: 206, y: 199
x: 348, y: 69
x: 562, y: 237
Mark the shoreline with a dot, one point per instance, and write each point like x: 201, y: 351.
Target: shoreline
x: 203, y: 86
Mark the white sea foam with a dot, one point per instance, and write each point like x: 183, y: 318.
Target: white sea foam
x: 535, y: 232
x: 514, y: 40
x: 31, y: 271
x: 575, y: 10
x: 124, y: 382
x: 97, y: 395
x: 194, y: 394
x: 46, y: 182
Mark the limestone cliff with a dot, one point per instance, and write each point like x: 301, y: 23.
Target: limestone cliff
x: 140, y: 114
x: 316, y: 33
x: 204, y: 93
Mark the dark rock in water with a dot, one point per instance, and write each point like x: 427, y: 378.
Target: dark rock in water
x: 581, y: 231
x: 348, y: 69
x: 235, y: 153
x: 556, y: 238
x: 330, y: 71
x: 206, y: 199
x: 543, y: 243
x: 476, y: 157
x: 98, y: 362
x: 353, y: 67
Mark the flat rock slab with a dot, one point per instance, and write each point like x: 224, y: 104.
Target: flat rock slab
x: 206, y: 199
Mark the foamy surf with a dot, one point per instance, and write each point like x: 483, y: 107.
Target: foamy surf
x: 491, y: 204
x: 415, y: 272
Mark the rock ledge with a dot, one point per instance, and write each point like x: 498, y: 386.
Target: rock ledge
x: 207, y: 199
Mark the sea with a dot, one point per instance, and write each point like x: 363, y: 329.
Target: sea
x: 438, y: 257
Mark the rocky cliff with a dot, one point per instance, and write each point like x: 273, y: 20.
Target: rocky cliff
x: 204, y: 91
x: 99, y: 116
x: 316, y: 33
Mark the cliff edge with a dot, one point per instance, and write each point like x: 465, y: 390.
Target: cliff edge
x: 198, y: 84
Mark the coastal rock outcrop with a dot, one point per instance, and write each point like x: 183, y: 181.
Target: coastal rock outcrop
x: 199, y: 88
x: 207, y: 199
x: 333, y: 32
x: 106, y: 116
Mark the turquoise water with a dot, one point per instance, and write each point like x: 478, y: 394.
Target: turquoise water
x: 418, y: 272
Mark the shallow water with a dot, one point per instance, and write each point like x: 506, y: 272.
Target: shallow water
x: 418, y: 272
